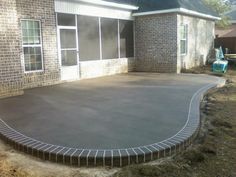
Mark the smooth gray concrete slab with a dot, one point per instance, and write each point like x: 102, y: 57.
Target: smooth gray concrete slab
x: 121, y: 111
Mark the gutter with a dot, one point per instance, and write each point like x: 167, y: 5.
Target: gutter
x: 110, y: 4
x: 177, y: 10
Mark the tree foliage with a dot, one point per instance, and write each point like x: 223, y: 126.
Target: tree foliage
x: 220, y: 7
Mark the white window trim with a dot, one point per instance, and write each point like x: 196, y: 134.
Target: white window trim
x: 35, y: 45
x: 184, y: 39
x: 100, y: 38
x: 119, y: 47
x: 77, y: 43
x: 61, y: 27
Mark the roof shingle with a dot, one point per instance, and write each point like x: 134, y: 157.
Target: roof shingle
x: 155, y: 5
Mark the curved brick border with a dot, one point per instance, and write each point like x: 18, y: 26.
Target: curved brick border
x: 112, y: 157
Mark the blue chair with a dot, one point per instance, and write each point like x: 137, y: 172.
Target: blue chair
x: 220, y: 65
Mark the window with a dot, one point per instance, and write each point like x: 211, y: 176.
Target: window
x: 126, y: 38
x: 109, y: 32
x: 89, y: 40
x: 183, y: 39
x: 32, y: 46
x: 65, y: 19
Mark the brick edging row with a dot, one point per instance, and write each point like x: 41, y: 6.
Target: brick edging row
x: 110, y: 157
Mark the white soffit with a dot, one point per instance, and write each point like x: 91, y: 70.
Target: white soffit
x: 178, y: 10
x: 90, y: 9
x: 110, y: 4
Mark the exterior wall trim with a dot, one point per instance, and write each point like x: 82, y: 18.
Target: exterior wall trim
x: 89, y: 9
x: 110, y: 4
x: 101, y: 68
x: 177, y: 10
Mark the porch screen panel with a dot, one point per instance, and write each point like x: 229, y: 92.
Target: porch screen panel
x: 126, y: 38
x: 68, y: 47
x: 68, y: 40
x: 89, y: 44
x: 66, y: 19
x: 109, y: 31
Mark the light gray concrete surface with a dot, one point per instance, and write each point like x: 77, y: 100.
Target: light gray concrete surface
x: 121, y: 111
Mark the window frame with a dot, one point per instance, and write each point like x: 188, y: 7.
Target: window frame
x: 57, y: 19
x: 184, y: 39
x: 59, y: 27
x: 101, y: 53
x: 32, y: 45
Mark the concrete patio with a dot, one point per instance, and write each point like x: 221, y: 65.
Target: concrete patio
x: 121, y: 113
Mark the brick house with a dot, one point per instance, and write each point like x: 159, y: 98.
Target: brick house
x: 46, y: 42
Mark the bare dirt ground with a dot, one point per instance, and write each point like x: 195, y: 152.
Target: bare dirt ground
x: 16, y: 164
x: 213, y: 154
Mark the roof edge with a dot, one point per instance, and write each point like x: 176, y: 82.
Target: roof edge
x: 110, y: 4
x: 178, y: 10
